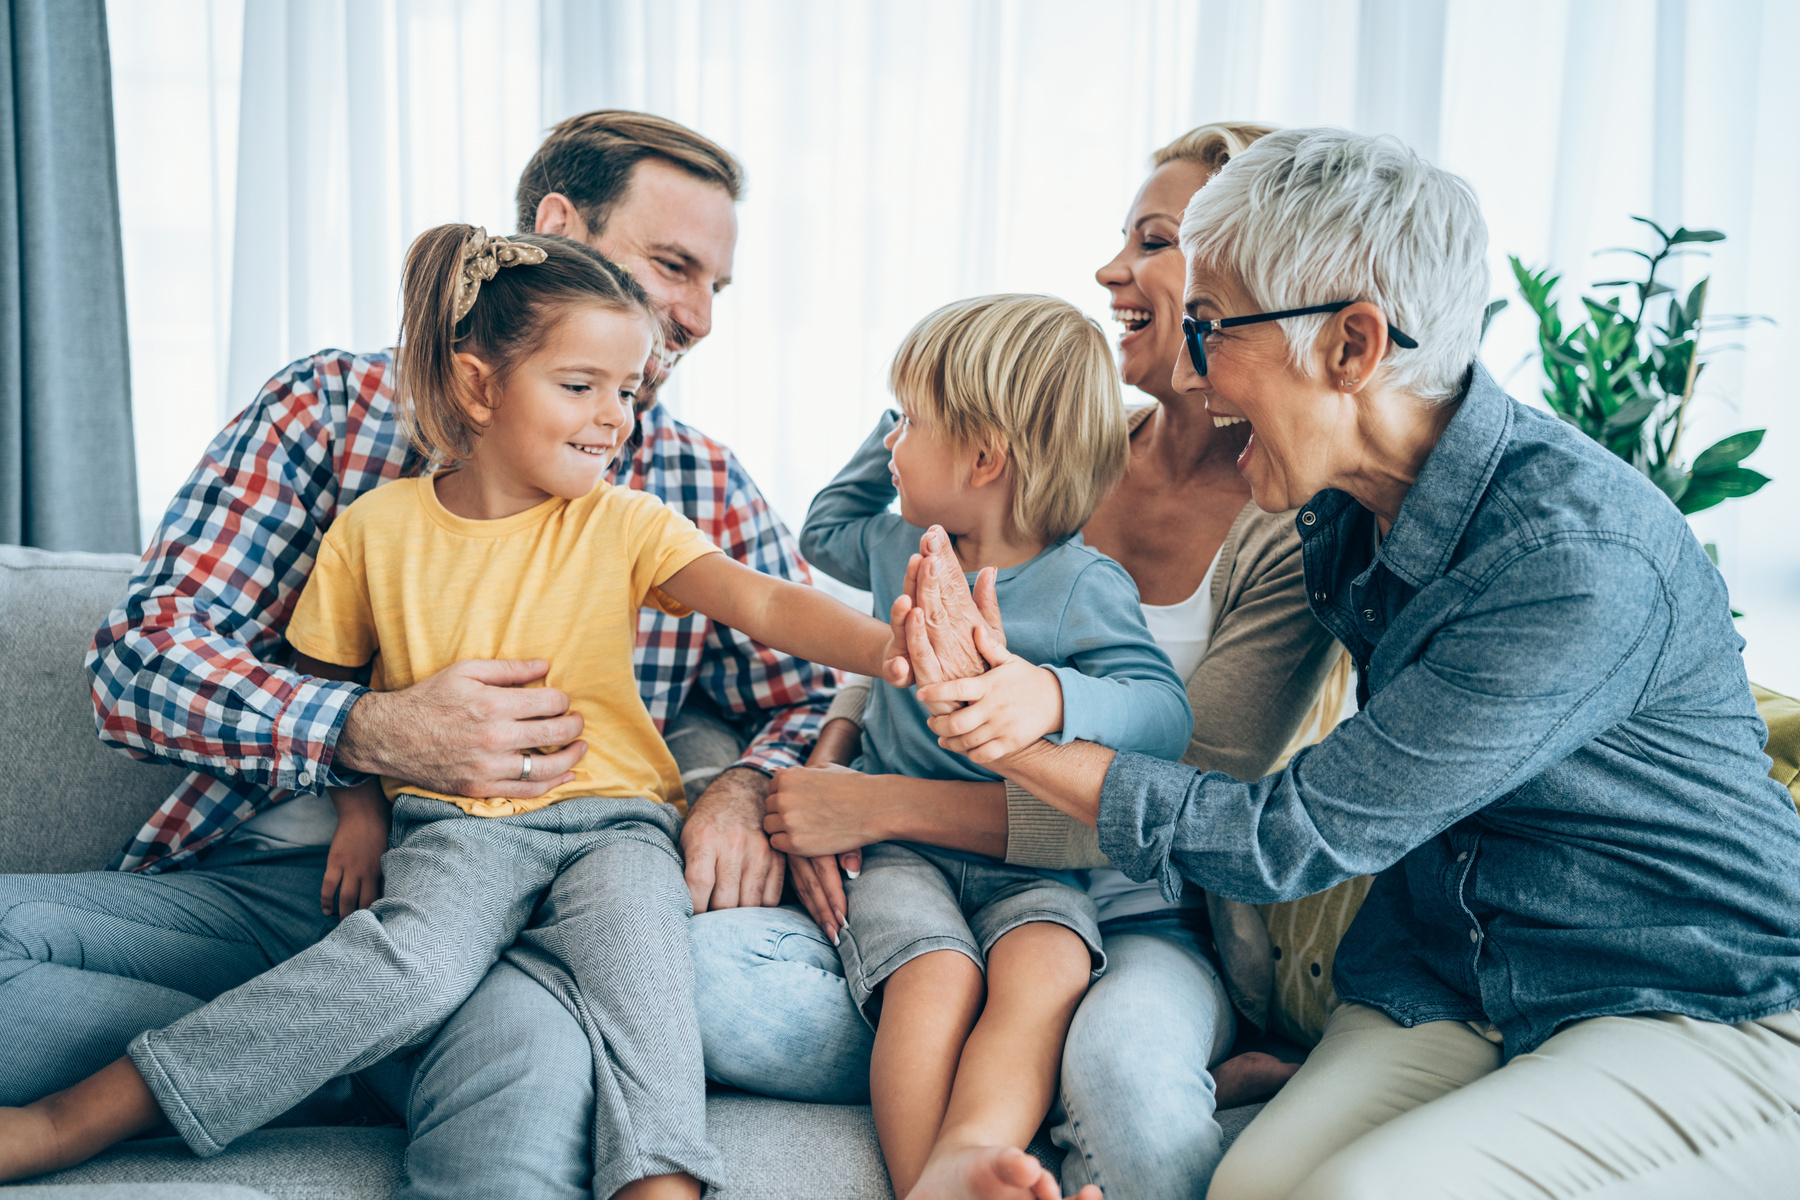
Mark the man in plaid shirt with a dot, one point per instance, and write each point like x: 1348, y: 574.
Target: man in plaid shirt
x: 225, y: 879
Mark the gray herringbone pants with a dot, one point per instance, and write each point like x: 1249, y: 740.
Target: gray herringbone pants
x: 457, y: 891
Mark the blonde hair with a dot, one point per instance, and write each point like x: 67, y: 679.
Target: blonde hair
x: 512, y: 314
x: 1034, y: 375
x: 1211, y: 146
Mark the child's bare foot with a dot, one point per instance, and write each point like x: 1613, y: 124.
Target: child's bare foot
x: 28, y: 1143
x: 989, y: 1173
x: 1249, y: 1078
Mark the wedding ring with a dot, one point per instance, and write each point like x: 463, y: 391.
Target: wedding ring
x: 525, y: 768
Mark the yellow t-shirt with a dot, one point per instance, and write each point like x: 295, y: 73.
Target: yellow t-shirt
x: 403, y: 581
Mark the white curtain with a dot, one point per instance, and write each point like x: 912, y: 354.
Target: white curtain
x: 902, y: 155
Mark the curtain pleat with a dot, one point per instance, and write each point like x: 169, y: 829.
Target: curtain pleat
x: 68, y: 477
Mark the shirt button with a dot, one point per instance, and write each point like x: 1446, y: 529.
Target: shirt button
x: 1475, y: 935
x: 1309, y: 517
x: 1319, y: 596
x: 1463, y: 857
x: 1369, y: 614
x: 305, y: 779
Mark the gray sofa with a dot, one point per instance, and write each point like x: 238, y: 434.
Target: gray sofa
x: 67, y: 804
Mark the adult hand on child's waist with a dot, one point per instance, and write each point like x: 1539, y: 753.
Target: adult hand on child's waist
x: 466, y: 730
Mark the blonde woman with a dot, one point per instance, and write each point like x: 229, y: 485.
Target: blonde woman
x: 1223, y: 594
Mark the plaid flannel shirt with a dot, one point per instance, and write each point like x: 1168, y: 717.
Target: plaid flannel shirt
x: 187, y: 670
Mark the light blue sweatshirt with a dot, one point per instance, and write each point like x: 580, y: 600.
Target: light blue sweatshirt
x: 1070, y: 609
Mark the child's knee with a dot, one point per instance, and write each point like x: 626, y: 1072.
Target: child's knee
x: 1044, y: 954
x: 945, y: 973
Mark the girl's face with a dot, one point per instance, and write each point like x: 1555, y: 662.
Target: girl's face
x: 565, y: 410
x: 1145, y: 277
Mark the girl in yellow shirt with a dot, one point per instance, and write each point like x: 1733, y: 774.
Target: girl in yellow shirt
x: 518, y: 367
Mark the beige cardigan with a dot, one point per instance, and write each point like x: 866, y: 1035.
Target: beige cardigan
x: 1252, y: 694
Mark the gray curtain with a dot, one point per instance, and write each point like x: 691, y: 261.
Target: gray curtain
x: 68, y: 475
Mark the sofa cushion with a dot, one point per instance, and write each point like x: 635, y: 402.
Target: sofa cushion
x: 1782, y: 715
x: 287, y: 1164
x: 67, y: 803
x: 134, y: 1191
x: 1304, y: 936
x: 776, y: 1150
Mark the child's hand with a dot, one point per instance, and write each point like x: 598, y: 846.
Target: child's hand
x: 353, y: 867
x: 1006, y: 709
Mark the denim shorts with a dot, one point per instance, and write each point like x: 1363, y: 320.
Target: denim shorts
x: 911, y: 900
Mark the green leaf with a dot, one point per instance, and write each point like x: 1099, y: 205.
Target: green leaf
x: 1726, y: 453
x: 1707, y: 490
x: 1660, y: 231
x: 1493, y: 310
x: 1696, y: 301
x: 1672, y: 480
x: 1684, y: 234
x: 1629, y: 417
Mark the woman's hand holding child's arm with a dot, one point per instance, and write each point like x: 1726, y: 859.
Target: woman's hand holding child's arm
x: 353, y: 867
x: 816, y: 880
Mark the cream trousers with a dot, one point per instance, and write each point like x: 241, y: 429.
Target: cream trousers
x: 1642, y: 1107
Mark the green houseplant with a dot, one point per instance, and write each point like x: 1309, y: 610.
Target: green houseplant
x: 1625, y: 375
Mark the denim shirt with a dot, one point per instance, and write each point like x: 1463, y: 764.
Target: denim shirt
x: 1557, y: 768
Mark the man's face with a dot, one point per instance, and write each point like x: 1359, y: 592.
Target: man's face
x: 677, y: 234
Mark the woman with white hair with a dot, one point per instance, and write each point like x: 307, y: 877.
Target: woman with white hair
x: 1578, y: 969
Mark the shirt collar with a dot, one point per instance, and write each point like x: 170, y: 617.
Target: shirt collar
x: 1452, y: 482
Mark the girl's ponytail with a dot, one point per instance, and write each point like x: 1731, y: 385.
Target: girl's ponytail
x: 429, y: 389
x: 520, y: 287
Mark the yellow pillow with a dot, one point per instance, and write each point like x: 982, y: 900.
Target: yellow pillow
x: 1782, y: 713
x: 1305, y: 935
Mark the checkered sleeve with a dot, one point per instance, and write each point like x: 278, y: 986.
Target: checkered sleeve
x: 188, y: 667
x: 745, y: 677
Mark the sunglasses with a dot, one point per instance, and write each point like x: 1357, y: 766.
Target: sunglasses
x: 1196, y: 331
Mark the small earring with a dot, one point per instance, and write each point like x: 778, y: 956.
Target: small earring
x: 1345, y: 385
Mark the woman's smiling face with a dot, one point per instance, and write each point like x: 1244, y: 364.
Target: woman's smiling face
x: 1293, y: 415
x: 1145, y: 277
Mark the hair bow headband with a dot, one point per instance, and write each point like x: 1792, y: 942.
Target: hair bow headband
x: 482, y: 258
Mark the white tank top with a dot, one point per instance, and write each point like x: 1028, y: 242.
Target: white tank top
x: 1183, y: 631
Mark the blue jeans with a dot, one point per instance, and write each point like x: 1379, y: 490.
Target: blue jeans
x: 1135, y: 1105
x: 1135, y: 1108
x: 90, y: 961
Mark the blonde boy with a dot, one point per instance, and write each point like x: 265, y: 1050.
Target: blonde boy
x: 1010, y: 431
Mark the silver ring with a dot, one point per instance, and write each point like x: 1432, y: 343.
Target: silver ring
x: 525, y: 769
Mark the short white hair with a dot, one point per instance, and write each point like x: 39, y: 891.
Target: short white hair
x: 1314, y: 216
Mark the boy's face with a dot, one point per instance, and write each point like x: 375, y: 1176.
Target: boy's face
x: 931, y: 474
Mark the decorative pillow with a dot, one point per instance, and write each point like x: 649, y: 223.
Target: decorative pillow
x: 1305, y: 935
x: 1782, y: 713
